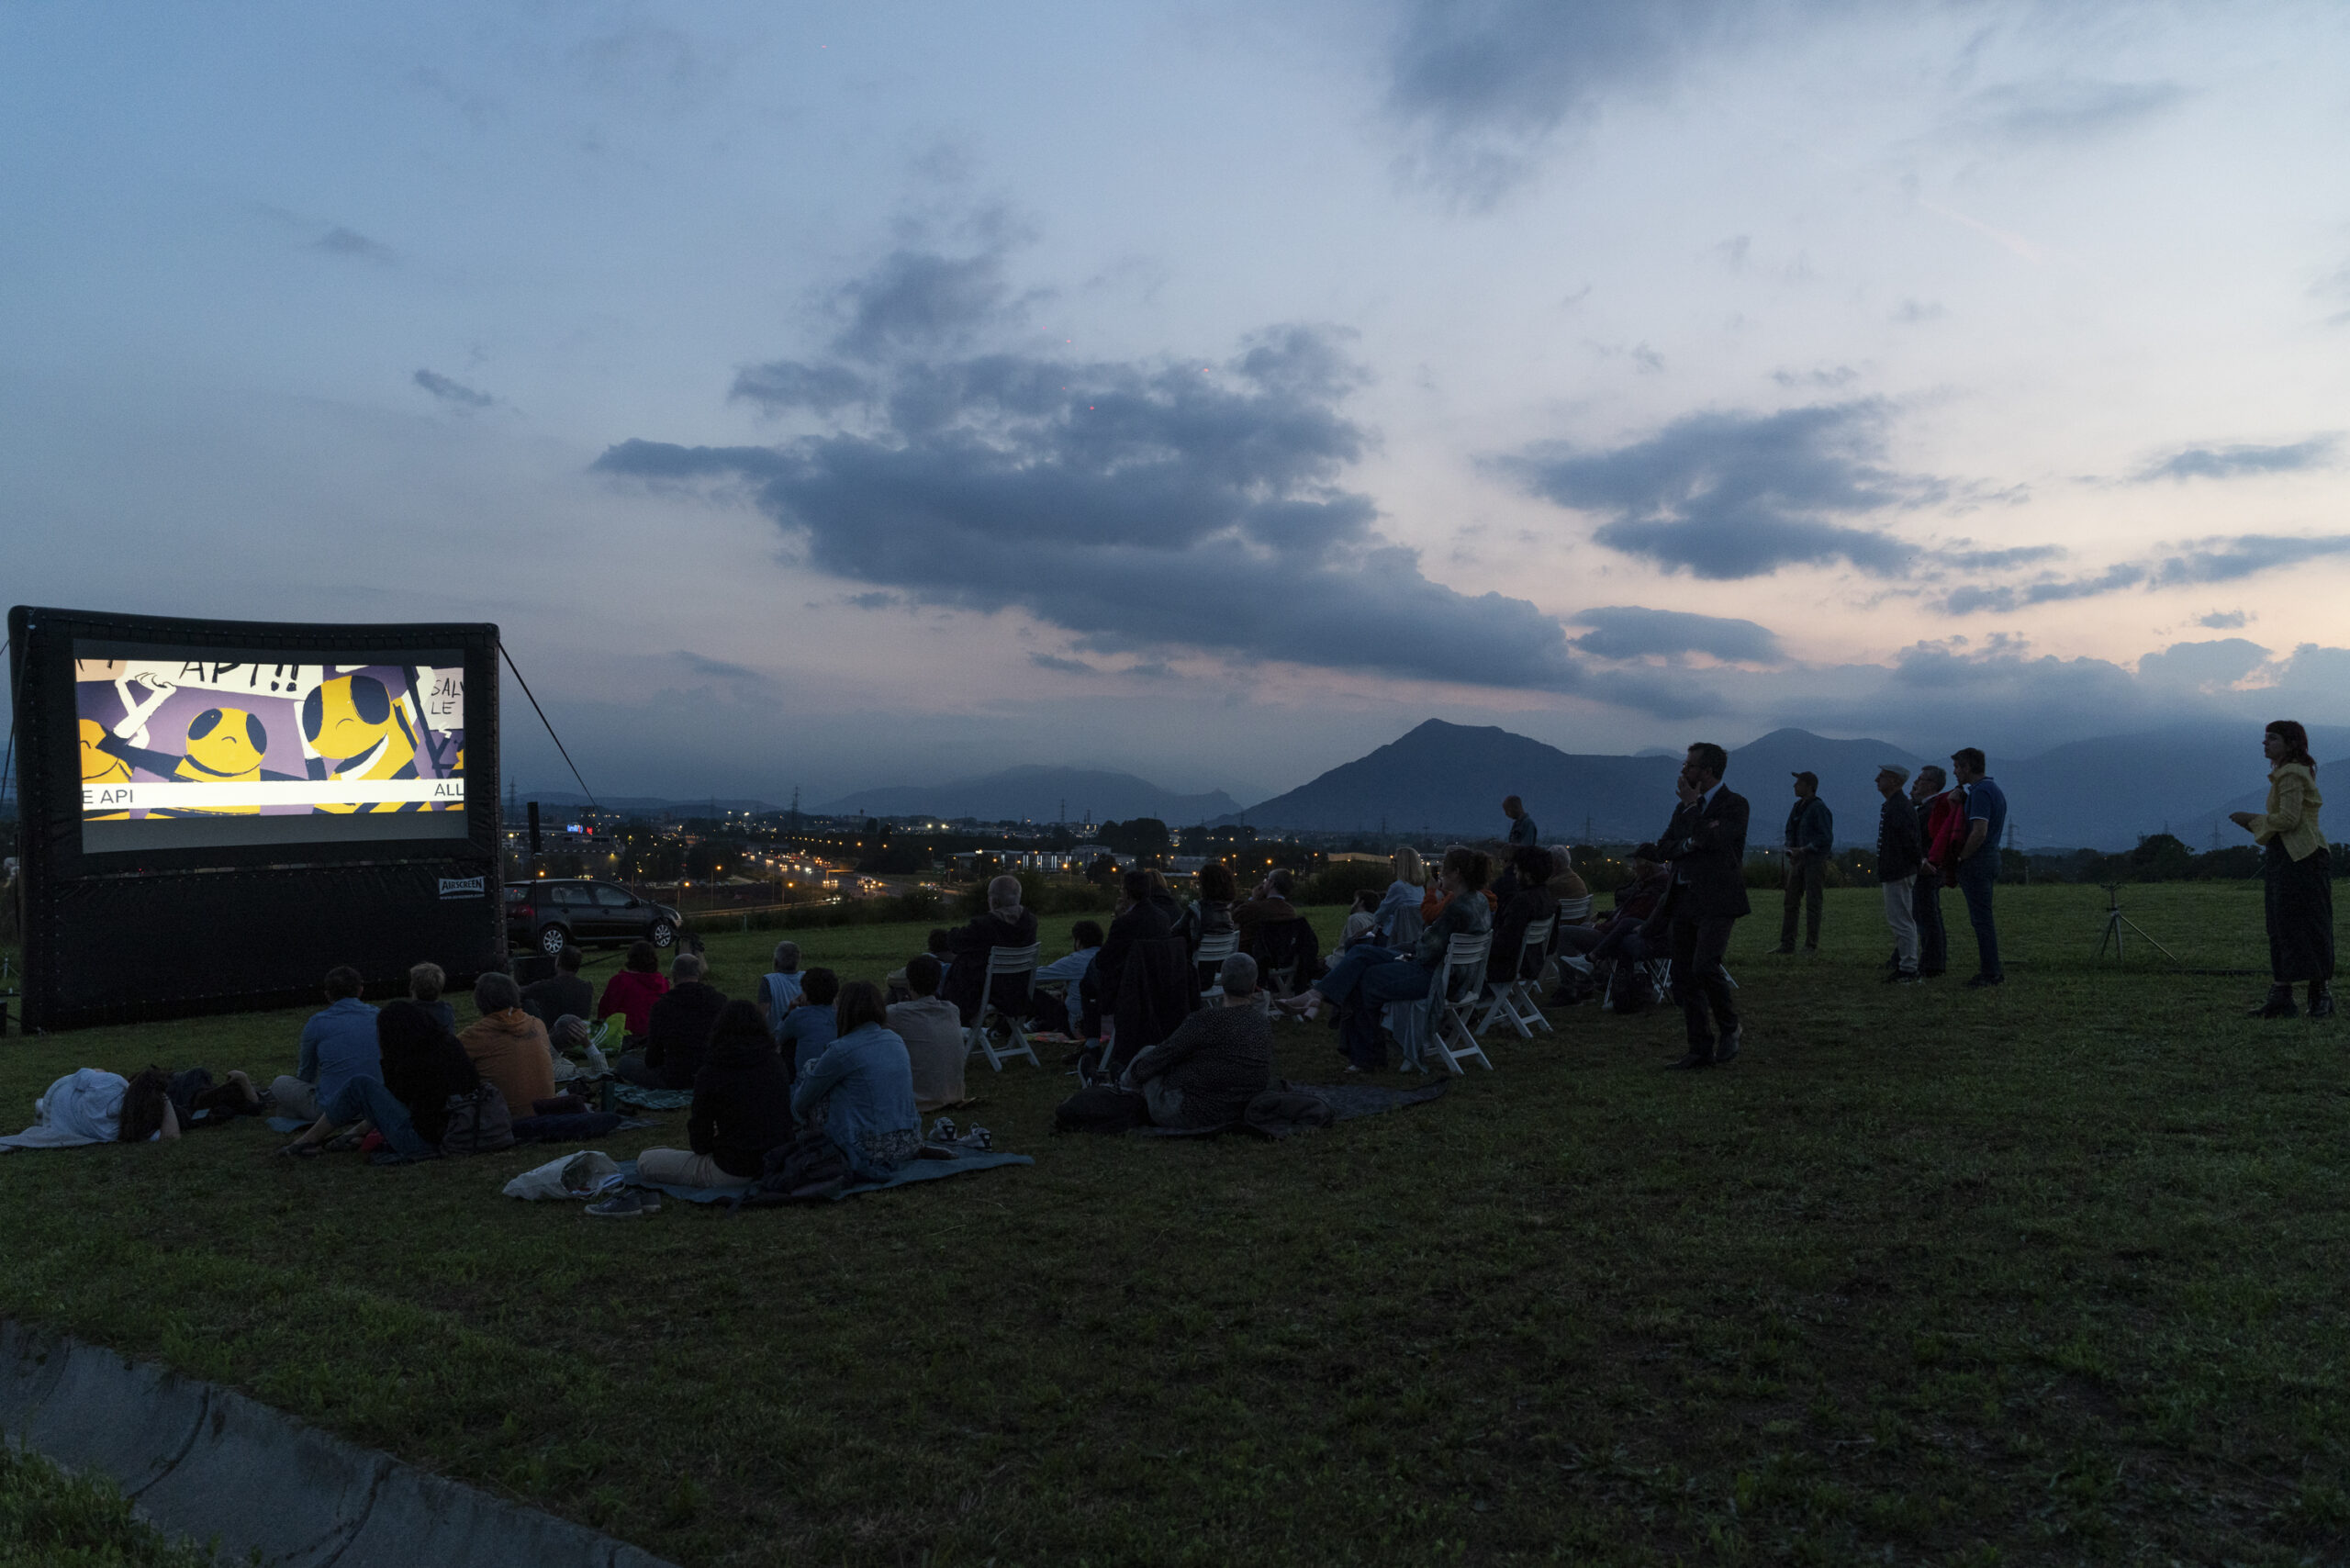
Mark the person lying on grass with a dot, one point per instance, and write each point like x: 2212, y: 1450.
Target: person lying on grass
x: 742, y: 1108
x: 423, y: 1065
x: 94, y: 1106
x: 856, y: 1102
x: 1219, y: 1058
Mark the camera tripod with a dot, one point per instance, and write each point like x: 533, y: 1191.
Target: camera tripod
x: 2117, y: 922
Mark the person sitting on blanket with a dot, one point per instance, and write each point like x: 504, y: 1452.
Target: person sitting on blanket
x: 1205, y: 1074
x: 425, y: 983
x: 932, y: 1032
x: 572, y: 1046
x: 856, y: 1102
x: 508, y: 1046
x: 808, y: 1027
x: 423, y: 1065
x: 634, y: 987
x: 561, y: 992
x: 741, y: 1108
x: 338, y: 1044
x: 779, y: 988
x: 1064, y: 1014
x: 679, y: 1026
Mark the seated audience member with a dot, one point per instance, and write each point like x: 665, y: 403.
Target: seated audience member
x: 1219, y: 1058
x: 1065, y: 1013
x: 1269, y: 905
x: 1139, y: 918
x: 808, y: 1027
x: 1621, y: 937
x: 779, y: 987
x: 932, y: 1032
x: 741, y: 1108
x: 338, y: 1044
x: 1005, y: 924
x: 423, y: 1065
x: 425, y: 983
x: 634, y: 987
x: 1366, y: 979
x: 1532, y: 902
x: 856, y: 1102
x: 1397, y: 921
x: 680, y: 1024
x: 1565, y: 885
x: 1362, y: 920
x: 573, y: 1048
x: 561, y: 992
x: 508, y: 1046
x: 940, y: 946
x: 1210, y: 913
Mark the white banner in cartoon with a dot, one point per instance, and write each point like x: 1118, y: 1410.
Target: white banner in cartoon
x: 194, y: 737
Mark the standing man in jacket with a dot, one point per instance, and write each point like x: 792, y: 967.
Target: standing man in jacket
x: 1522, y: 831
x: 1934, y: 809
x: 1705, y: 846
x: 1978, y: 859
x: 1810, y: 839
x: 1899, y: 851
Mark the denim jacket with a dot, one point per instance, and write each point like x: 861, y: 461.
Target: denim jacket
x: 863, y: 1087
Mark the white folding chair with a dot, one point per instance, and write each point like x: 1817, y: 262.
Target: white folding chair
x: 1213, y: 952
x: 1452, y: 1003
x: 1514, y: 998
x: 1002, y: 962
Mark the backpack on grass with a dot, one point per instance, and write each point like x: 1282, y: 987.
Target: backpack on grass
x: 479, y: 1123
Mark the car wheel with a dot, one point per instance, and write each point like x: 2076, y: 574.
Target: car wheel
x: 662, y: 933
x: 552, y: 939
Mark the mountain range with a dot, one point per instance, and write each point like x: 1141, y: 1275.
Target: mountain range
x: 1441, y: 778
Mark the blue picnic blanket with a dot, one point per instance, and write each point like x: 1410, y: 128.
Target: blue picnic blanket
x: 651, y: 1099
x: 912, y: 1170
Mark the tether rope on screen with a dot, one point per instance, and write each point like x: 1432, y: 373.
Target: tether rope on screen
x: 542, y: 719
x: 16, y: 689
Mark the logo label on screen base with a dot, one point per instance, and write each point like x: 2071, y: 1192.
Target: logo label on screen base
x: 465, y: 887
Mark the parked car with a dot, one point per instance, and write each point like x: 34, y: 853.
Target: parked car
x: 545, y: 915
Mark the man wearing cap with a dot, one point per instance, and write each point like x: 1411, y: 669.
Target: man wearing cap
x: 1810, y: 839
x: 1899, y: 849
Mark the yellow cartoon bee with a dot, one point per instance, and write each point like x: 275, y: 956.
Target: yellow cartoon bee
x: 225, y: 745
x: 359, y: 731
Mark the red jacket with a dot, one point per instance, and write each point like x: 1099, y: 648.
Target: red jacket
x: 631, y: 993
x: 1946, y: 830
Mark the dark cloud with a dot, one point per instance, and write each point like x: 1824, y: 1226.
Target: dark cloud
x: 786, y: 384
x: 341, y: 241
x: 1143, y: 506
x: 1727, y: 496
x: 2220, y: 663
x: 450, y: 391
x: 1487, y: 81
x: 1632, y: 632
x: 2223, y: 620
x: 1066, y: 666
x: 2000, y: 560
x: 741, y: 677
x: 1830, y: 377
x: 2234, y: 462
x: 2062, y: 109
x: 2200, y: 561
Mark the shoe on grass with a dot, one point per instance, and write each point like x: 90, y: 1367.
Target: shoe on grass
x: 2278, y: 1005
x: 2320, y: 1001
x: 629, y: 1204
x: 1695, y: 1058
x: 1978, y: 982
x: 1726, y: 1048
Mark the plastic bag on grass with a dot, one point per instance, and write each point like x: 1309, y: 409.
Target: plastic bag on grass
x: 581, y: 1175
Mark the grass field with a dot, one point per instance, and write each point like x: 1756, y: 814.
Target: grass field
x: 2050, y: 1273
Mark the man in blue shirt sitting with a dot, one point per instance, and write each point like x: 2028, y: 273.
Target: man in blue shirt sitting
x: 1979, y: 858
x: 338, y: 1044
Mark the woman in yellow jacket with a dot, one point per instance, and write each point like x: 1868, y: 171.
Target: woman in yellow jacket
x: 2299, y: 869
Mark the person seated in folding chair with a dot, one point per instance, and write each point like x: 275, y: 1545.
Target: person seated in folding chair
x: 1005, y: 924
x: 1219, y: 1058
x: 933, y: 1031
x: 1367, y: 977
x: 1209, y: 915
x: 1533, y: 902
x: 1620, y: 937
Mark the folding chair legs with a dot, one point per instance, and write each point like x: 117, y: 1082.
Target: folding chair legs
x: 1016, y: 1043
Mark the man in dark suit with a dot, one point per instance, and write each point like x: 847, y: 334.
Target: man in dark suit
x: 1705, y: 846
